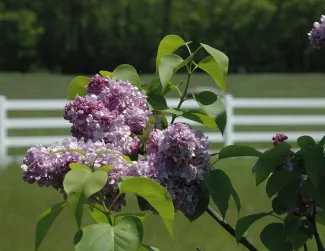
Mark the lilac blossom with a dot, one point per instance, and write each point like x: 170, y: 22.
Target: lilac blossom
x: 177, y: 158
x: 317, y: 34
x: 278, y: 138
x: 111, y: 111
x: 46, y: 169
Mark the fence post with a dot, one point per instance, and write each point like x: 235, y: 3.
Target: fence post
x: 229, y: 131
x: 3, y: 133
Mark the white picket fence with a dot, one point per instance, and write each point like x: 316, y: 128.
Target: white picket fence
x: 230, y: 136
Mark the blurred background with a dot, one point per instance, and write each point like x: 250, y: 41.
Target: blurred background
x: 45, y: 43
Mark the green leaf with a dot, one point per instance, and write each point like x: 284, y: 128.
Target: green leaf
x: 155, y: 194
x: 307, y: 190
x: 220, y: 189
x: 126, y: 72
x: 279, y: 179
x: 170, y: 86
x: 106, y: 74
x: 297, y: 239
x: 278, y: 206
x: 162, y: 118
x: 305, y: 141
x: 238, y: 151
x: 77, y: 86
x: 149, y: 126
x: 272, y: 238
x: 105, y: 169
x: 301, y: 234
x: 212, y: 106
x: 45, y: 222
x: 307, y: 228
x: 98, y: 214
x: 148, y: 248
x: 202, y: 205
x: 266, y: 164
x: 289, y: 193
x: 244, y: 223
x: 159, y: 103
x: 124, y: 236
x: 141, y: 216
x: 80, y: 184
x: 236, y: 199
x: 322, y: 141
x: 319, y: 194
x: 173, y: 111
x: 167, y: 68
x: 291, y: 224
x: 216, y: 65
x: 77, y: 166
x: 185, y: 61
x: 200, y: 118
x: 314, y: 163
x: 168, y: 44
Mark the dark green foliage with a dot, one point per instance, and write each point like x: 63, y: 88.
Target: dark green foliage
x: 85, y: 36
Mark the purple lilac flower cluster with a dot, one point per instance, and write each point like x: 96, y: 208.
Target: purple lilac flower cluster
x: 106, y: 119
x: 110, y: 109
x: 43, y: 166
x: 317, y: 34
x: 177, y: 158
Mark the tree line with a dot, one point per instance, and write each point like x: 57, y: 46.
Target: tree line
x: 83, y: 36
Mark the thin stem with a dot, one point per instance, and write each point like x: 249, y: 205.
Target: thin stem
x: 95, y: 206
x: 188, y: 48
x: 104, y: 206
x: 189, y: 74
x: 305, y: 247
x: 229, y: 229
x: 111, y: 205
x: 320, y: 246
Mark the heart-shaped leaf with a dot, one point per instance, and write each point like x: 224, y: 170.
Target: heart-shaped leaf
x: 126, y: 235
x: 81, y: 183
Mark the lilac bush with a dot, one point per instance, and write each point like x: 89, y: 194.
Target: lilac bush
x: 122, y: 142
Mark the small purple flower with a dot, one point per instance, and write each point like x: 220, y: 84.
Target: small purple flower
x: 317, y: 34
x: 278, y: 138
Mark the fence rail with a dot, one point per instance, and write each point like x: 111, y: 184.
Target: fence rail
x: 230, y: 136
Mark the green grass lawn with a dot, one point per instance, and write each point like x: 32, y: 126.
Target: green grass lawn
x: 21, y: 204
